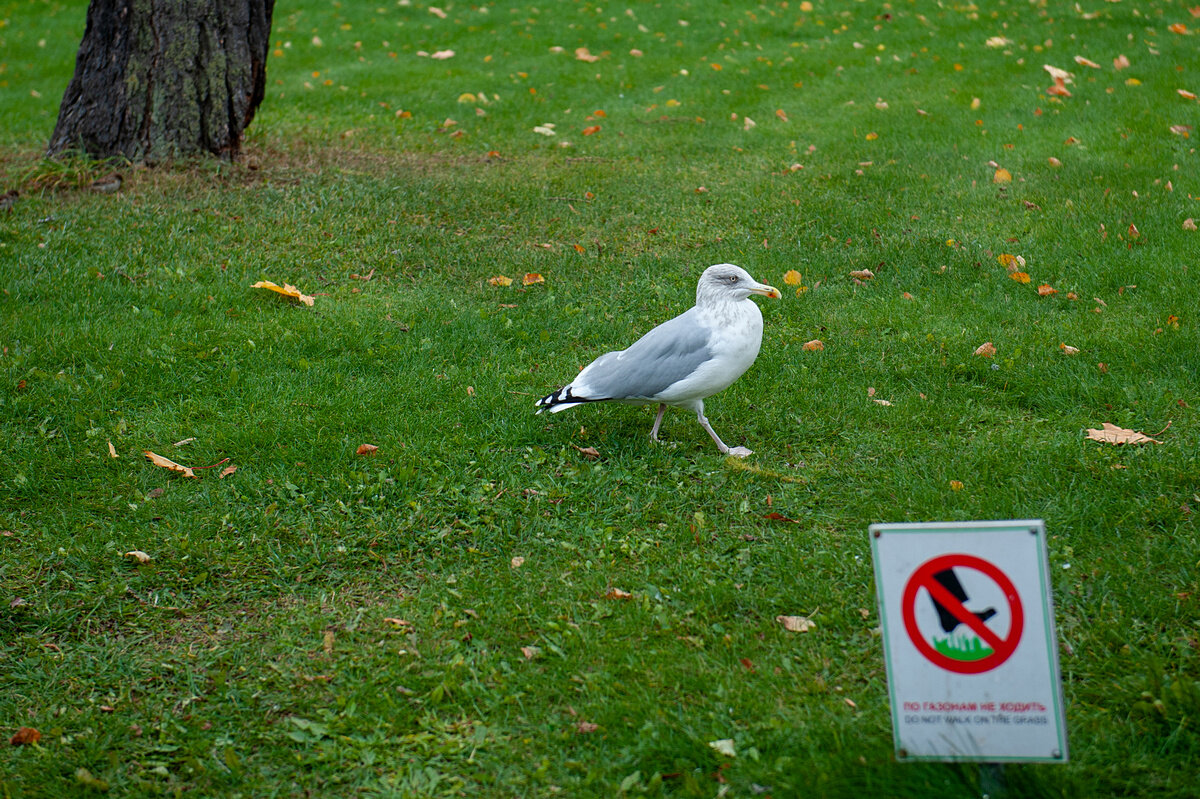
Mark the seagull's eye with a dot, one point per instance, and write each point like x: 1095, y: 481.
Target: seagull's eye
x: 733, y: 278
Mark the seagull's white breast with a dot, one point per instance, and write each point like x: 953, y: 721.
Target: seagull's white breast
x: 735, y: 336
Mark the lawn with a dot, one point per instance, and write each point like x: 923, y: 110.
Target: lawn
x: 481, y: 606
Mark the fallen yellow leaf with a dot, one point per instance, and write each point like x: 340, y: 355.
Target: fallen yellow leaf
x: 1002, y: 176
x: 792, y: 278
x: 796, y: 624
x: 166, y: 463
x: 1020, y: 277
x: 500, y: 280
x: 286, y: 290
x: 815, y: 345
x: 531, y: 278
x: 138, y: 555
x: 956, y: 485
x: 1045, y: 290
x: 1111, y: 434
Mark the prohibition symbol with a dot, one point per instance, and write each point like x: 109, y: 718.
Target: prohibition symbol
x: 938, y: 578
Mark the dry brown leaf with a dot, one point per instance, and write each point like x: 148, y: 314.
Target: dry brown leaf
x: 617, y: 593
x: 138, y: 555
x: 366, y: 449
x: 862, y: 274
x: 530, y: 652
x: 582, y: 54
x: 1120, y: 62
x: 112, y: 451
x: 286, y: 290
x: 590, y: 129
x: 398, y: 623
x: 1085, y: 62
x: 228, y: 470
x: 584, y: 727
x: 1189, y: 224
x: 986, y: 350
x: 327, y: 642
x: 25, y: 736
x: 167, y: 463
x: 531, y: 278
x: 517, y: 561
x: 500, y: 280
x: 816, y: 345
x: 1111, y: 434
x: 1045, y: 290
x: 796, y: 624
x: 1068, y: 349
x: 588, y: 452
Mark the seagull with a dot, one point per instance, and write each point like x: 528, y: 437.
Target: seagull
x: 682, y: 361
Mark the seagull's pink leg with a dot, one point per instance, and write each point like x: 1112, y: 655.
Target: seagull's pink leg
x: 662, y: 407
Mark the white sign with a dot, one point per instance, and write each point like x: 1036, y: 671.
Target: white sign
x: 968, y: 630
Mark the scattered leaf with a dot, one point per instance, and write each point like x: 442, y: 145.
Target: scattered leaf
x: 792, y: 278
x: 816, y: 345
x: 1111, y: 434
x: 1068, y: 349
x: 531, y: 652
x: 24, y: 736
x: 138, y: 555
x: 1178, y: 28
x: 1020, y: 277
x: 588, y: 131
x: 725, y: 746
x: 582, y: 54
x: 781, y: 115
x: 1188, y: 224
x: 442, y: 55
x: 956, y: 485
x: 1045, y: 290
x: 228, y: 470
x: 1085, y: 62
x: 1120, y: 62
x: 986, y: 350
x: 366, y: 449
x: 1182, y: 130
x: 1054, y: 162
x: 184, y: 442
x: 401, y: 624
x: 617, y: 593
x: 112, y: 451
x: 500, y: 280
x: 584, y: 727
x: 166, y: 463
x: 286, y: 290
x: 862, y: 274
x: 531, y: 278
x: 1185, y: 94
x: 516, y: 562
x: 327, y: 642
x: 796, y: 624
x: 588, y: 452
x: 1002, y: 175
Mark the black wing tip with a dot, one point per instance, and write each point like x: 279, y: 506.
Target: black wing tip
x: 563, y: 397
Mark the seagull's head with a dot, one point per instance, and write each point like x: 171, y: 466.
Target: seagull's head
x: 726, y: 283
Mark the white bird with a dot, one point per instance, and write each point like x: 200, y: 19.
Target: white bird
x: 683, y: 361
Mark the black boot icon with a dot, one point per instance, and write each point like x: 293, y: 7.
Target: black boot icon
x: 949, y: 580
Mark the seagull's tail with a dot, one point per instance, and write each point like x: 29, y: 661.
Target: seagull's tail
x: 562, y: 399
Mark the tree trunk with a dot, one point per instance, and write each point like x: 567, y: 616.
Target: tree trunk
x: 157, y: 79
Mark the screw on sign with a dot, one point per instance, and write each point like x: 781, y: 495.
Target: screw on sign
x: 941, y: 583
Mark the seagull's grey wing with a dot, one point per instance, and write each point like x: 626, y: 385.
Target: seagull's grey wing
x: 667, y: 354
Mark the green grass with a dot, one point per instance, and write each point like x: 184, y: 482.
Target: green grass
x: 254, y: 656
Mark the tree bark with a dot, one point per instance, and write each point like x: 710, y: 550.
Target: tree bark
x: 158, y: 79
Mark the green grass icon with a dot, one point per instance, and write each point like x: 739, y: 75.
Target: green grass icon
x: 962, y: 647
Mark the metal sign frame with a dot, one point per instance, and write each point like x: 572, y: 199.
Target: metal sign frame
x: 999, y: 700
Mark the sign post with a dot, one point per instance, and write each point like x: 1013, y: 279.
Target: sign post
x: 969, y: 641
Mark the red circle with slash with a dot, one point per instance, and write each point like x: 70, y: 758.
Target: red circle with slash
x: 1002, y: 648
